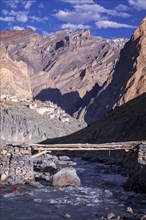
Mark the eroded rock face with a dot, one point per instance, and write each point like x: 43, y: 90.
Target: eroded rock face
x: 14, y: 78
x: 127, y: 81
x: 85, y: 75
x: 21, y: 124
x: 61, y: 67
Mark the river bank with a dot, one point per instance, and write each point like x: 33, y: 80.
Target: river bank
x: 43, y: 187
x: 100, y: 194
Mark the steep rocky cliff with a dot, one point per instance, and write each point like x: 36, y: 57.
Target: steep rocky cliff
x: 128, y: 79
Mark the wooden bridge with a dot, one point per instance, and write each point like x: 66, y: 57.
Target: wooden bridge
x: 86, y: 147
x: 40, y: 149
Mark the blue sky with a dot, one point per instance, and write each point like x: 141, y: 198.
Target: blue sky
x: 106, y: 18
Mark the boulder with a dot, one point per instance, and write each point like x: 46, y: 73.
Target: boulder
x: 66, y: 177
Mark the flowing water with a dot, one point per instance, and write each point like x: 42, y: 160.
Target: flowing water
x: 101, y: 192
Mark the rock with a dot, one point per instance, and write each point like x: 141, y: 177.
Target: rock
x: 36, y: 184
x: 108, y: 193
x: 53, y: 165
x: 67, y: 215
x: 72, y: 163
x: 4, y: 164
x: 65, y: 158
x: 14, y: 77
x: 16, y: 191
x: 143, y: 217
x: 66, y: 177
x: 46, y: 176
x: 110, y: 215
x: 66, y: 162
x: 129, y: 210
x: 3, y: 177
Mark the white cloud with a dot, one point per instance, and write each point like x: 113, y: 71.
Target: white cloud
x: 16, y: 3
x: 112, y: 24
x: 47, y: 33
x: 138, y: 4
x: 18, y: 28
x: 96, y: 8
x: 12, y: 3
x: 6, y: 18
x: 122, y: 7
x: 5, y: 12
x: 75, y: 27
x: 41, y: 5
x: 86, y: 13
x: 38, y: 19
x: 77, y: 17
x: 28, y: 4
x: 32, y: 27
x: 78, y: 1
x: 22, y: 17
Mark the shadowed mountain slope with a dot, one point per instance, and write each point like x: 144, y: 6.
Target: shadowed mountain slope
x: 124, y: 123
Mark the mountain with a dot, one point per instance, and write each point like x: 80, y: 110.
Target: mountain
x: 87, y: 76
x: 27, y: 121
x: 60, y: 67
x: 128, y: 80
x: 124, y: 123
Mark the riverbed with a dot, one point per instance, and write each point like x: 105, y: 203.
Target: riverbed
x: 100, y: 193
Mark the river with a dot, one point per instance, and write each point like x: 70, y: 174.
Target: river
x: 101, y: 192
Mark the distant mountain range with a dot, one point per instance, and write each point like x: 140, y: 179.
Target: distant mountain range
x: 87, y: 76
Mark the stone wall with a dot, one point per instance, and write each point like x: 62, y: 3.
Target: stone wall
x: 142, y: 154
x: 137, y: 170
x: 16, y: 165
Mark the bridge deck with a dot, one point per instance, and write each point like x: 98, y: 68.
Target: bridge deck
x: 86, y: 147
x: 47, y: 148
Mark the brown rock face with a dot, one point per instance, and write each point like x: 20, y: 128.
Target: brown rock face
x: 14, y: 79
x: 68, y: 68
x: 136, y: 85
x: 127, y: 81
x: 85, y: 75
